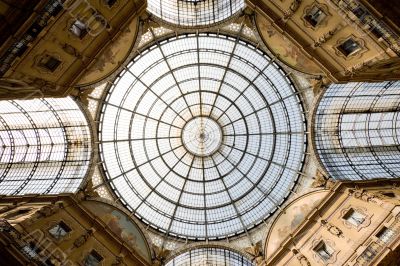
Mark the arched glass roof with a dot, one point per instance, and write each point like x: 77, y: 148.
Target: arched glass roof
x: 208, y: 257
x: 357, y: 130
x: 45, y: 146
x: 194, y: 12
x: 202, y: 136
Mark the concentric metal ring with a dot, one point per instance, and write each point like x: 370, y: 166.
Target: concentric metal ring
x: 245, y: 158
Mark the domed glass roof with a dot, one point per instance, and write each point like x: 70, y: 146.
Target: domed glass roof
x: 210, y: 256
x: 202, y: 136
x: 194, y: 12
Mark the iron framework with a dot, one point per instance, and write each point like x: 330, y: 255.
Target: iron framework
x: 357, y: 130
x: 209, y: 256
x: 205, y: 76
x: 45, y: 146
x: 194, y: 13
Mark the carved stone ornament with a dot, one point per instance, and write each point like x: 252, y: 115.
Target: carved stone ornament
x: 83, y: 238
x: 83, y: 96
x: 118, y: 261
x: 49, y: 210
x: 301, y: 258
x: 321, y: 181
x: 327, y: 36
x: 294, y: 6
x: 334, y: 230
x: 256, y: 252
x: 88, y: 191
x: 386, y: 67
x: 366, y: 196
x: 160, y: 254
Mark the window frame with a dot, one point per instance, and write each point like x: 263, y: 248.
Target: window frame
x: 67, y: 229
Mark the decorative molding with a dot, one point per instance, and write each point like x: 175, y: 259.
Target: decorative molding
x: 363, y: 211
x: 53, y: 223
x: 331, y: 244
x: 88, y: 191
x: 160, y: 254
x: 320, y: 180
x: 327, y: 36
x: 301, y: 258
x: 83, y: 238
x: 294, y: 6
x: 324, y: 9
x: 366, y: 196
x: 332, y: 229
x: 39, y: 57
x: 356, y: 54
x: 255, y: 251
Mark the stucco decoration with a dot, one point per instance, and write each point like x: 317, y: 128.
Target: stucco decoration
x: 286, y: 51
x: 290, y: 217
x: 120, y: 224
x: 111, y: 58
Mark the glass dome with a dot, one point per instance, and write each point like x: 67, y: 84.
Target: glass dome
x: 208, y: 257
x: 202, y: 136
x: 194, y: 12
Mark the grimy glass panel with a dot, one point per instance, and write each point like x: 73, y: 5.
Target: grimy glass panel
x: 209, y: 256
x: 194, y: 12
x: 202, y: 136
x: 357, y: 130
x: 45, y: 146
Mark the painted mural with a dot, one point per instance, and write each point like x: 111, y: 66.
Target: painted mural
x: 287, y: 51
x: 120, y: 224
x: 290, y: 218
x: 111, y: 58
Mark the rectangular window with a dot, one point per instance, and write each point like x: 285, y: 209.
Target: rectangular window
x: 93, y: 259
x: 79, y: 29
x: 32, y: 250
x: 324, y: 251
x: 49, y: 62
x: 354, y: 217
x: 385, y: 234
x: 369, y: 253
x: 349, y: 47
x: 315, y: 16
x: 359, y: 12
x: 59, y: 230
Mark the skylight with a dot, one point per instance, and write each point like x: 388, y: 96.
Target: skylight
x: 202, y: 136
x: 194, y: 12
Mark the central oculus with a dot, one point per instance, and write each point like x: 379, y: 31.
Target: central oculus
x: 202, y: 136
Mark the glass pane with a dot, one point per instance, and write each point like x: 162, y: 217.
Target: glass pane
x: 202, y: 143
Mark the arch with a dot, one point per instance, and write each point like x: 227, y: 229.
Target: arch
x: 121, y: 224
